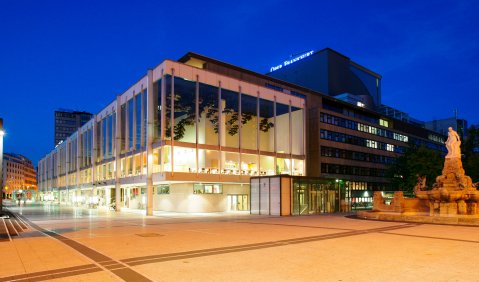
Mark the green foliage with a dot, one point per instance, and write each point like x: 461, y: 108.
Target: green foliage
x: 417, y: 161
x: 470, y: 159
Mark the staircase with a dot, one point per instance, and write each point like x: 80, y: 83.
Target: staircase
x: 11, y: 226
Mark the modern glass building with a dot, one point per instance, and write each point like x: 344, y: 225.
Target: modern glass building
x: 182, y: 138
x: 201, y: 135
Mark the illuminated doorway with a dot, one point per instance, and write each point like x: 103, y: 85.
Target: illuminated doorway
x: 237, y: 202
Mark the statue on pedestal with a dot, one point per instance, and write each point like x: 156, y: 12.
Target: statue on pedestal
x: 453, y: 144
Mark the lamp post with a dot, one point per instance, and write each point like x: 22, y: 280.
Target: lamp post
x: 1, y: 165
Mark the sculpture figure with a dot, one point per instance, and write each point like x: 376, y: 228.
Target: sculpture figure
x: 453, y: 144
x: 421, y: 184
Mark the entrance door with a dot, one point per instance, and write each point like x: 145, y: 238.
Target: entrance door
x: 237, y: 202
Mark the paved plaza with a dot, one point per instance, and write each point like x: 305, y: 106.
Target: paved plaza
x: 74, y: 244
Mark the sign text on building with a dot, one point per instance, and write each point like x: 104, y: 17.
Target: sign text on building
x: 293, y: 60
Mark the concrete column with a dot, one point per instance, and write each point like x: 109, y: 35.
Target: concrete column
x: 221, y: 128
x: 275, y: 137
x: 258, y: 134
x: 150, y: 135
x: 67, y: 165
x: 291, y: 144
x: 117, y: 151
x: 78, y: 163
x: 94, y: 150
x: 240, y: 132
x: 172, y: 122
x: 197, y: 114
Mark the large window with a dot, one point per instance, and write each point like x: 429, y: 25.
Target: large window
x: 297, y: 129
x: 249, y: 119
x: 282, y: 127
x: 138, y: 107
x: 104, y: 136
x: 166, y: 106
x: 185, y: 159
x: 266, y: 125
x: 184, y: 105
x: 110, y: 134
x: 130, y: 124
x: 123, y: 129
x: 157, y: 110
x: 230, y: 163
x: 230, y: 118
x: 208, y: 126
x: 144, y: 117
x: 208, y: 161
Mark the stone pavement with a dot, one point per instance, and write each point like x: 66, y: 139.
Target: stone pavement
x: 73, y: 244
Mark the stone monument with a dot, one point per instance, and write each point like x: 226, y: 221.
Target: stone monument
x: 453, y: 193
x: 452, y: 199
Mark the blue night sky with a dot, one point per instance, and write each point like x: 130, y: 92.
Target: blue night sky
x: 80, y: 54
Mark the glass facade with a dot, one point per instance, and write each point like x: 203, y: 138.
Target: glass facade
x: 130, y: 123
x: 208, y: 137
x: 138, y: 120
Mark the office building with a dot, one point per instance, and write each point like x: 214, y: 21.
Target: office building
x: 442, y: 125
x: 394, y: 113
x: 191, y: 135
x: 19, y: 177
x: 67, y: 122
x: 331, y: 73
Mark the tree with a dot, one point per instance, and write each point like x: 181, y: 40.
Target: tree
x: 416, y: 161
x: 470, y: 153
x: 186, y: 109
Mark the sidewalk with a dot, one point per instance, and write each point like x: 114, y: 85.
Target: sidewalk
x: 77, y: 245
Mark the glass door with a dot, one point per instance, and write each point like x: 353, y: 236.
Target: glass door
x: 237, y: 202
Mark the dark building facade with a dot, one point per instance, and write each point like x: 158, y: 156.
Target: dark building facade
x: 67, y: 122
x: 333, y: 74
x: 441, y: 126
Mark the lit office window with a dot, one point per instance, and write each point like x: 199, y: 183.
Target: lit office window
x: 384, y: 123
x: 371, y: 144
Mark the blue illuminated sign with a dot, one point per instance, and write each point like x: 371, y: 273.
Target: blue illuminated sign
x: 293, y: 60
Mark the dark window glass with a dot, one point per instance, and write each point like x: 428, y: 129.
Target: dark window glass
x: 130, y: 124
x: 184, y: 104
x: 266, y: 125
x: 230, y: 116
x: 138, y: 119
x: 123, y: 128
x: 208, y: 106
x: 104, y: 137
x: 249, y: 119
